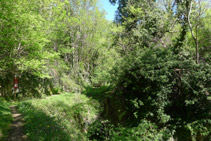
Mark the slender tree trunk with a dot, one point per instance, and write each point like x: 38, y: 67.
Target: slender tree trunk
x: 197, y: 47
x: 195, y: 38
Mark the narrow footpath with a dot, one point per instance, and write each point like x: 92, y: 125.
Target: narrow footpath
x: 16, y: 132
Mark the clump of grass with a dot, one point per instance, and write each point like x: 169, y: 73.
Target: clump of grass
x: 60, y: 117
x: 5, y: 118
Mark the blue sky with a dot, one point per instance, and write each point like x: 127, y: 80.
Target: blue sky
x: 109, y: 8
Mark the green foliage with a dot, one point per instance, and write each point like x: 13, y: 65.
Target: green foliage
x: 61, y: 117
x: 26, y: 45
x: 141, y: 69
x: 199, y: 129
x: 54, y: 41
x: 144, y: 131
x: 105, y: 63
x: 100, y: 130
x: 192, y: 105
x: 104, y: 130
x: 5, y: 118
x: 145, y: 81
x: 79, y: 36
x: 157, y: 78
x: 166, y: 89
x: 98, y: 93
x: 203, y: 34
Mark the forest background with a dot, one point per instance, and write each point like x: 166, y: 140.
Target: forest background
x: 149, y: 69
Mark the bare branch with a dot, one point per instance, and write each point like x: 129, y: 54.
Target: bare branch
x: 19, y: 45
x: 173, y: 23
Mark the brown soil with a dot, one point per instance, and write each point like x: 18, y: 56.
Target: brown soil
x: 16, y: 133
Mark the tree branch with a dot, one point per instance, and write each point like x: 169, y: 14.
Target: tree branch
x: 189, y: 23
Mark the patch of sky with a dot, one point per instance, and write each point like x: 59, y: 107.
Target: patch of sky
x: 108, y: 8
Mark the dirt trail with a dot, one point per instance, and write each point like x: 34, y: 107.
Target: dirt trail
x: 16, y: 132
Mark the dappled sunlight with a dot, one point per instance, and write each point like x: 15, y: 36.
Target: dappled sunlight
x: 58, y: 117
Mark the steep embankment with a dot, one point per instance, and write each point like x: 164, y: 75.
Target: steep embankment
x: 60, y: 117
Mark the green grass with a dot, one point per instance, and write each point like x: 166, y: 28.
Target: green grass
x: 62, y: 117
x: 5, y: 118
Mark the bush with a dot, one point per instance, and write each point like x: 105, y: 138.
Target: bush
x: 104, y: 130
x: 98, y: 93
x: 145, y: 80
x: 167, y: 89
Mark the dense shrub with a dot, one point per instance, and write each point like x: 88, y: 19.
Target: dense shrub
x: 104, y: 130
x: 169, y: 90
x: 98, y: 93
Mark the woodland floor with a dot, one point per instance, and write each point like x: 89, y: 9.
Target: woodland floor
x: 16, y: 133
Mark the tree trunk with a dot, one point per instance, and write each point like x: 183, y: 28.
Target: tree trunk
x: 197, y: 47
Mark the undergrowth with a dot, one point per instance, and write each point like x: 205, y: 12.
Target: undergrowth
x: 60, y: 117
x: 5, y: 118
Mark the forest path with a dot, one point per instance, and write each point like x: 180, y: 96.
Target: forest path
x: 16, y: 132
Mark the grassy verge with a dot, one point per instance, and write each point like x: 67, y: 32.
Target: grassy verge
x: 5, y: 118
x: 62, y: 117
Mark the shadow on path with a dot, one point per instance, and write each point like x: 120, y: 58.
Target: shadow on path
x: 16, y: 132
x: 40, y: 126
